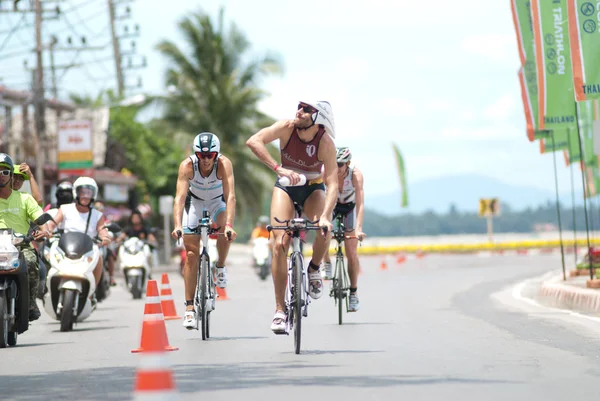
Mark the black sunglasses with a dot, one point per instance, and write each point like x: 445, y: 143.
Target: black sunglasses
x: 307, y: 109
x: 341, y: 165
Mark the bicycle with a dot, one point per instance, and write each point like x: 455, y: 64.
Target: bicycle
x: 205, y: 285
x: 340, y: 289
x: 296, y: 292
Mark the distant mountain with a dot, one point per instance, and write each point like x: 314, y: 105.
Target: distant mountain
x: 463, y: 191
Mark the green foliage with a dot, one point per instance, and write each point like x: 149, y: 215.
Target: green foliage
x: 150, y: 154
x: 217, y: 91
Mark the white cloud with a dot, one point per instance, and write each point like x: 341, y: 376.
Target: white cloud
x: 502, y: 109
x: 484, y: 133
x: 398, y: 107
x: 495, y: 47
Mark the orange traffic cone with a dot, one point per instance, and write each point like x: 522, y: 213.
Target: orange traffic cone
x: 383, y: 264
x: 401, y: 258
x: 222, y: 294
x: 154, y: 378
x: 420, y: 254
x: 166, y: 299
x: 153, y: 313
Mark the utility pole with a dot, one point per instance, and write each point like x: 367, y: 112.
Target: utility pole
x: 116, y: 49
x: 53, y: 68
x: 39, y: 101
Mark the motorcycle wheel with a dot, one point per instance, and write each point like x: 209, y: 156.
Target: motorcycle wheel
x: 3, y: 321
x: 136, y: 288
x: 66, y: 316
x: 264, y: 272
x: 12, y: 338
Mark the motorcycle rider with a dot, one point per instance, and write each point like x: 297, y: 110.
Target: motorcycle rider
x: 21, y: 174
x: 17, y: 211
x: 137, y: 228
x: 111, y: 255
x: 64, y: 196
x: 82, y: 217
x: 260, y: 231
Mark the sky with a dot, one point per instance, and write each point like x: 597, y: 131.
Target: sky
x: 437, y: 78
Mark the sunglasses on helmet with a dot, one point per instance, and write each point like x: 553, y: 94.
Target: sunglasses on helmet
x: 306, y: 108
x: 206, y: 155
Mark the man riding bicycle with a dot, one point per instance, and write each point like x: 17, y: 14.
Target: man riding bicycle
x: 205, y: 182
x: 350, y: 204
x: 305, y: 149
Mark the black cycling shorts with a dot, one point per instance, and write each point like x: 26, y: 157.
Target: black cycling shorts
x: 301, y: 193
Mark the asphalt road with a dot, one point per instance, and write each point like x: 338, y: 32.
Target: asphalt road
x: 443, y: 327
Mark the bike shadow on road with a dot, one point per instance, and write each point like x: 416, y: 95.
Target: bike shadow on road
x: 117, y: 383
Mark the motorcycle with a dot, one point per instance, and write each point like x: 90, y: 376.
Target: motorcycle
x: 261, y: 254
x: 135, y: 261
x: 14, y: 284
x: 70, y: 281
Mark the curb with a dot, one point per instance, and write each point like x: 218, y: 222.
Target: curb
x: 571, y: 297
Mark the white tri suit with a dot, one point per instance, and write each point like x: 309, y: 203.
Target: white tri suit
x: 346, y: 202
x: 205, y: 193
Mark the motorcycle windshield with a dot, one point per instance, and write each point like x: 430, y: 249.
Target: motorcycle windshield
x: 75, y: 244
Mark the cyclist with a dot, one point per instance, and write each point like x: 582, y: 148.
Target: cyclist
x: 304, y: 150
x: 350, y: 205
x: 205, y: 182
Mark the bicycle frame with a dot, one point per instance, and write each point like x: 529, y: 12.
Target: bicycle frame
x: 296, y: 295
x: 341, y: 283
x: 205, y: 281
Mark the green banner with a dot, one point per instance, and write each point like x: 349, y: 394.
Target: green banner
x: 586, y: 129
x: 573, y: 150
x: 75, y: 165
x: 592, y: 181
x: 553, y: 62
x: 584, y: 35
x: 402, y: 174
x: 521, y: 11
x: 560, y: 142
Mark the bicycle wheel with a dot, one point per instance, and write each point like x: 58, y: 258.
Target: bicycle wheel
x: 204, y: 291
x: 339, y: 285
x: 198, y: 297
x: 211, y: 299
x: 297, y: 293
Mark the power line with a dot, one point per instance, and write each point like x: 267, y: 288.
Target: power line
x: 11, y: 32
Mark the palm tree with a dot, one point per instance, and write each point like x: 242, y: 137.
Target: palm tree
x: 217, y: 91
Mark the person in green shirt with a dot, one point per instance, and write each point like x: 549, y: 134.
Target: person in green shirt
x: 21, y: 174
x: 17, y: 211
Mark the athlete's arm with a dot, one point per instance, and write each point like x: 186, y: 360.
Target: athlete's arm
x: 281, y: 130
x: 327, y: 154
x: 359, y: 194
x: 185, y: 174
x: 228, y: 189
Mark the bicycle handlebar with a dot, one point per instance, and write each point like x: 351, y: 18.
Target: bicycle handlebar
x: 287, y: 221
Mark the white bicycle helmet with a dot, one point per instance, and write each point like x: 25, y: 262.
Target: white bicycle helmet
x: 323, y: 116
x: 343, y: 154
x: 206, y: 142
x: 85, y: 182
